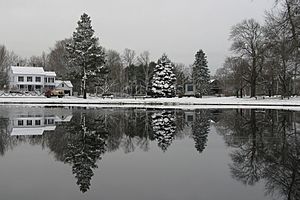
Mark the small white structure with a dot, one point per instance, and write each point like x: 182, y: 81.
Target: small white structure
x: 190, y: 89
x: 30, y: 79
x: 64, y: 85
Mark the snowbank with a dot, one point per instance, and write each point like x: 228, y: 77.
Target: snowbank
x: 180, y: 103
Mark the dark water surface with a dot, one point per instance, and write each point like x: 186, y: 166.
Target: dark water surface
x: 81, y: 153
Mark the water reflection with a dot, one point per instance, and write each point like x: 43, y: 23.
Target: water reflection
x: 267, y: 147
x: 265, y: 143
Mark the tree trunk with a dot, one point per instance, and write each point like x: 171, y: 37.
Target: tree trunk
x: 253, y: 87
x: 241, y: 92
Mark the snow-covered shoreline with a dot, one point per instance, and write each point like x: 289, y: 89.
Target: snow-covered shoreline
x: 176, y: 103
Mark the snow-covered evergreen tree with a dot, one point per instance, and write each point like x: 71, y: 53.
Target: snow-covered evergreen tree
x: 164, y: 128
x: 85, y: 52
x: 164, y: 78
x: 200, y: 74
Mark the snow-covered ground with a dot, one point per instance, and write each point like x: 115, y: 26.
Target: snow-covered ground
x: 181, y: 103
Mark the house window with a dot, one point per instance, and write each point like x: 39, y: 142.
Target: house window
x: 38, y: 79
x: 45, y: 80
x: 38, y: 87
x: 29, y: 122
x: 20, y: 78
x: 20, y: 122
x: 38, y: 122
x: 45, y: 122
x: 190, y: 118
x: 62, y: 85
x: 29, y: 79
x: 22, y: 87
x: 51, y: 80
x: 50, y: 121
x: 190, y: 88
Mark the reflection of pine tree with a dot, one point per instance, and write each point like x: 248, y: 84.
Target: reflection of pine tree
x: 85, y: 147
x: 200, y: 130
x: 164, y: 127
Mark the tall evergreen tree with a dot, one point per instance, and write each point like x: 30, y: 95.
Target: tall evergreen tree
x: 164, y: 78
x: 85, y: 52
x: 200, y: 73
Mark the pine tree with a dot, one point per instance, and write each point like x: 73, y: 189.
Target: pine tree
x: 164, y: 128
x: 85, y: 52
x: 200, y: 74
x: 164, y: 78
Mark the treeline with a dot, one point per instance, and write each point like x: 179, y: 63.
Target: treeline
x: 93, y: 69
x: 265, y: 57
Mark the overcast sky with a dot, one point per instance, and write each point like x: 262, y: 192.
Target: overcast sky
x: 176, y: 27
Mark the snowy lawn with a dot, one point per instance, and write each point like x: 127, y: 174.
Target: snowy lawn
x: 183, y: 103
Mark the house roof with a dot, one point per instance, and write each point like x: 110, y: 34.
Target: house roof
x: 31, y: 71
x: 27, y: 70
x: 48, y: 73
x: 68, y: 83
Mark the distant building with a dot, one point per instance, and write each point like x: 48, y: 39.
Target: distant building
x: 67, y: 86
x: 190, y: 88
x: 215, y: 87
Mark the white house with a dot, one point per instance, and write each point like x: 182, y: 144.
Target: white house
x: 30, y: 78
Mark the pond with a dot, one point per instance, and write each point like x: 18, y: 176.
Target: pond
x: 128, y: 153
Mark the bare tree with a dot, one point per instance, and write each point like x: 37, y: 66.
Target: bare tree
x: 115, y: 77
x: 39, y: 61
x: 280, y: 52
x: 129, y: 59
x: 289, y: 19
x: 144, y: 61
x: 248, y: 43
x: 3, y: 66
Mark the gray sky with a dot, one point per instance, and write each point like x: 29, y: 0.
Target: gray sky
x: 177, y: 27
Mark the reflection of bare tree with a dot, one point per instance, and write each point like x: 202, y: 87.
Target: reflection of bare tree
x: 247, y: 160
x: 200, y: 129
x: 164, y: 127
x: 284, y: 177
x: 267, y: 148
x: 4, y: 138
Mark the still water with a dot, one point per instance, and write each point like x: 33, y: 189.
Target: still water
x: 114, y: 153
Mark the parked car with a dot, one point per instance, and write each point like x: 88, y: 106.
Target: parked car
x: 55, y: 93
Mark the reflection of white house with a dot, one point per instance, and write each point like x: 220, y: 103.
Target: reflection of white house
x: 30, y: 78
x: 27, y: 123
x: 32, y: 125
x: 64, y: 85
